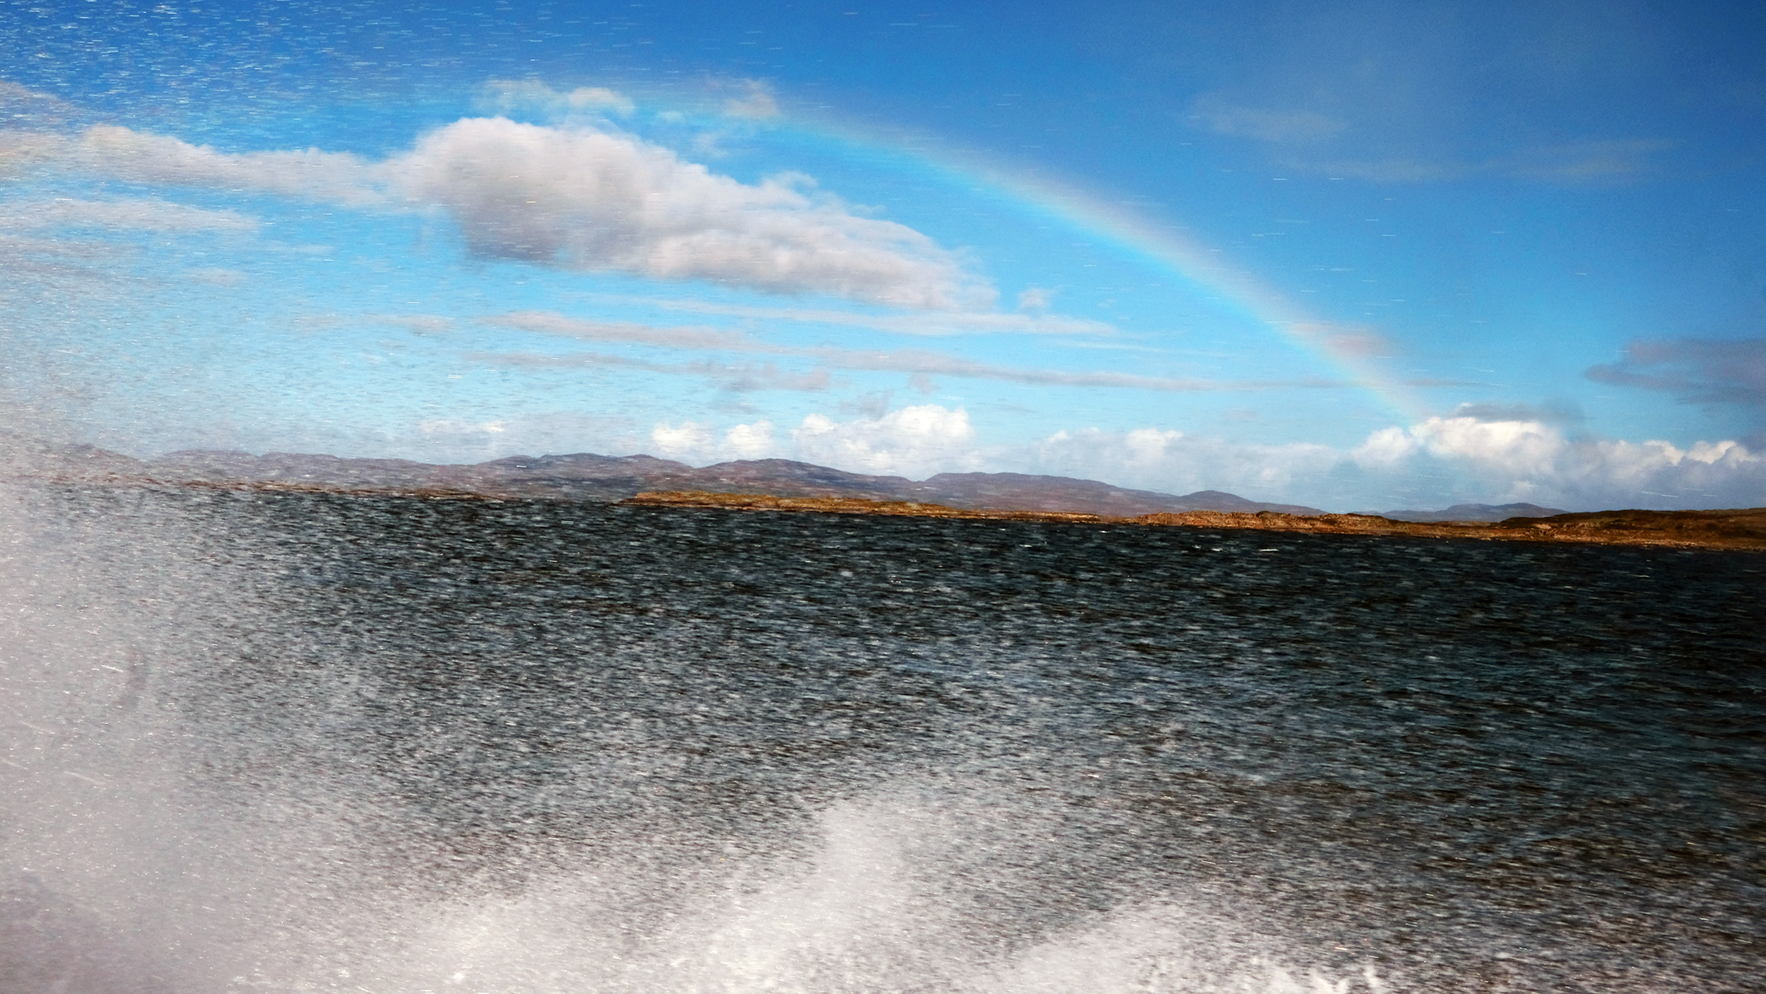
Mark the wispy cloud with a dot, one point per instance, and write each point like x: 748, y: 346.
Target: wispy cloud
x: 913, y: 361
x: 502, y: 96
x: 756, y: 102
x: 1552, y: 414
x: 927, y: 323
x: 420, y: 324
x: 734, y: 377
x: 677, y: 337
x: 1699, y: 371
x: 748, y: 378
x: 21, y: 106
x: 1280, y: 126
x: 125, y: 214
x: 927, y: 363
x: 142, y: 157
x: 1575, y: 163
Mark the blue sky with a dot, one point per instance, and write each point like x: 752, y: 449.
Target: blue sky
x: 1359, y: 256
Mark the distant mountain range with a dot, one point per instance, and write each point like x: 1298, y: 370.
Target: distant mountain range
x: 784, y: 485
x: 585, y: 476
x: 1477, y: 512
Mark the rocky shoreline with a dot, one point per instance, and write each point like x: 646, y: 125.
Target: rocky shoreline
x: 1739, y: 529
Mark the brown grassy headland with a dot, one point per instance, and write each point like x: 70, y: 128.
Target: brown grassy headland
x: 1743, y: 529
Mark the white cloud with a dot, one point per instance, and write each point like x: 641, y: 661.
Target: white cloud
x: 689, y: 438
x: 1435, y: 463
x: 750, y: 441
x: 586, y: 199
x: 693, y: 442
x: 1533, y: 461
x: 1147, y: 445
x: 1385, y: 448
x: 1519, y: 449
x: 912, y: 441
x: 574, y: 197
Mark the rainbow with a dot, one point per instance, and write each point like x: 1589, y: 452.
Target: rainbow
x: 1338, y: 347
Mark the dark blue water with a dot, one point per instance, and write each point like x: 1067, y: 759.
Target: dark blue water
x: 309, y: 742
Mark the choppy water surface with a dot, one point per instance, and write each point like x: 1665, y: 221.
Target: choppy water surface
x: 306, y: 742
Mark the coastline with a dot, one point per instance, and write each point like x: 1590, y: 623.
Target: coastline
x: 1742, y: 529
x: 1730, y: 530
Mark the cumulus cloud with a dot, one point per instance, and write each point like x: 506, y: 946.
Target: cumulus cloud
x: 691, y: 441
x: 1517, y: 449
x: 1532, y: 460
x: 1437, y: 462
x: 575, y: 197
x: 1699, y: 371
x: 912, y: 441
x: 590, y: 200
x: 750, y: 441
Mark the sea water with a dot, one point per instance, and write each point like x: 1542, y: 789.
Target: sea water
x: 310, y: 742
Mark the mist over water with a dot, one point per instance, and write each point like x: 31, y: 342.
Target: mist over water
x: 286, y: 742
